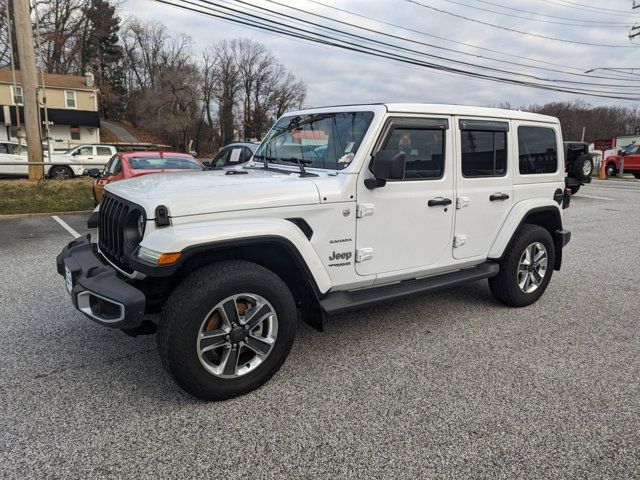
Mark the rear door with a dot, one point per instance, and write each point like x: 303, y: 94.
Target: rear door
x: 103, y: 154
x: 484, y: 184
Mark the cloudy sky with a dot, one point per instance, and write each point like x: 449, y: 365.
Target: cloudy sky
x: 336, y: 76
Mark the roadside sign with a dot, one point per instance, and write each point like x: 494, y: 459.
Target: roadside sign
x: 605, y: 145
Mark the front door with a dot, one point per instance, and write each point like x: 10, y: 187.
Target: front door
x: 407, y: 224
x: 484, y: 184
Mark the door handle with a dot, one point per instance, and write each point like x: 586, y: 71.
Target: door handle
x: 439, y: 202
x: 498, y: 196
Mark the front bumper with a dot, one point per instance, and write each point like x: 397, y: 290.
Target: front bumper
x: 95, y: 288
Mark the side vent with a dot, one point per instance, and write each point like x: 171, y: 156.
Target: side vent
x: 303, y: 226
x: 162, y: 216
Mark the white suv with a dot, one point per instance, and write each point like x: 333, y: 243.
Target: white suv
x: 340, y: 208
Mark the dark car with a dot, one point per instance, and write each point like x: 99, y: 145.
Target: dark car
x: 578, y: 165
x: 233, y: 154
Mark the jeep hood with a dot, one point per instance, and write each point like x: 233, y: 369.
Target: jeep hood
x: 194, y: 193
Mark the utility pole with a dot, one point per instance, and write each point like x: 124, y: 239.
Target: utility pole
x: 26, y: 54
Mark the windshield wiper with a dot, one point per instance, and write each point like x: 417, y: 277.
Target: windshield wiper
x: 301, y: 162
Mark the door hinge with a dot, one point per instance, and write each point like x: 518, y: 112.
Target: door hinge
x: 364, y: 210
x: 462, y: 202
x: 364, y: 254
x: 459, y: 240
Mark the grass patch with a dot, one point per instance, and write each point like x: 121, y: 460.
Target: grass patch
x: 23, y: 196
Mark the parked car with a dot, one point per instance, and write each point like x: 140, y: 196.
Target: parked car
x: 233, y: 154
x: 578, y: 165
x: 95, y: 156
x: 134, y: 164
x: 628, y: 160
x: 405, y: 199
x: 56, y: 167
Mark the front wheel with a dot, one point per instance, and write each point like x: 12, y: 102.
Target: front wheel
x: 226, y: 329
x: 526, y: 268
x: 610, y: 170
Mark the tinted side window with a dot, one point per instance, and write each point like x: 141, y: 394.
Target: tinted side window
x: 537, y: 150
x: 424, y: 150
x: 484, y: 153
x: 103, y: 150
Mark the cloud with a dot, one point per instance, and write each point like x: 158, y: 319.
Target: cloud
x: 336, y: 76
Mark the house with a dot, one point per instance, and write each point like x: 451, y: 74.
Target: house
x: 72, y: 108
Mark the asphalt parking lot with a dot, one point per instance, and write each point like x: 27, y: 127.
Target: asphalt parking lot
x: 448, y: 385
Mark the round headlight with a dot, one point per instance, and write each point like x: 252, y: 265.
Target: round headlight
x: 134, y: 228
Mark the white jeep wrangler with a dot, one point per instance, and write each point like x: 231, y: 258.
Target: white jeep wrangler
x: 340, y: 208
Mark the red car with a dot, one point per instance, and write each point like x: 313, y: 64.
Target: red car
x: 628, y: 159
x: 133, y: 164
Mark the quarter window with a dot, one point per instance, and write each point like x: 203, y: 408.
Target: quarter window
x: 537, y: 150
x: 70, y: 97
x: 424, y: 150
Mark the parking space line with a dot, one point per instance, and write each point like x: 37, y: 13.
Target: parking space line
x: 64, y: 225
x: 595, y: 198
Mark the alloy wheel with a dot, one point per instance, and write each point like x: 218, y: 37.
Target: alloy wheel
x: 532, y: 267
x: 237, y: 335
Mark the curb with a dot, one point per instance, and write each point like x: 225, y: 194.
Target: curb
x: 42, y: 214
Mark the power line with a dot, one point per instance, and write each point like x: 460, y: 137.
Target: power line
x: 604, y: 23
x: 385, y: 44
x: 609, y: 25
x: 564, y: 40
x: 588, y: 8
x: 412, y: 41
x: 579, y: 71
x: 297, y: 32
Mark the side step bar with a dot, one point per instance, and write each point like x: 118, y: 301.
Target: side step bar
x: 338, y: 302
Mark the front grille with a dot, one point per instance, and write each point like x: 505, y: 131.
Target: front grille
x: 111, y: 225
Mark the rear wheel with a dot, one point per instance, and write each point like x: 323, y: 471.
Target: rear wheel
x: 526, y: 268
x: 226, y: 329
x: 60, y: 173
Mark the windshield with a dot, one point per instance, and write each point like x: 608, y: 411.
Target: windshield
x: 323, y: 140
x: 164, y: 163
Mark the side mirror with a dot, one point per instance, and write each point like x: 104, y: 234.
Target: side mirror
x: 387, y: 165
x: 621, y: 152
x: 94, y: 173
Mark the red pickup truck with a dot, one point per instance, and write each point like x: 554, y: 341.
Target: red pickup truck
x: 628, y: 159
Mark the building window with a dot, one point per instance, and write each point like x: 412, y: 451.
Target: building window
x: 18, y: 99
x: 75, y: 133
x: 70, y: 97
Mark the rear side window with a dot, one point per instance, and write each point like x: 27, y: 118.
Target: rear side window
x: 537, y: 150
x: 104, y: 151
x: 484, y: 153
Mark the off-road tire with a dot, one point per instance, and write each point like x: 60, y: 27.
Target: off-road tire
x: 187, y: 306
x: 504, y: 286
x: 579, y: 167
x: 574, y: 189
x: 61, y: 173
